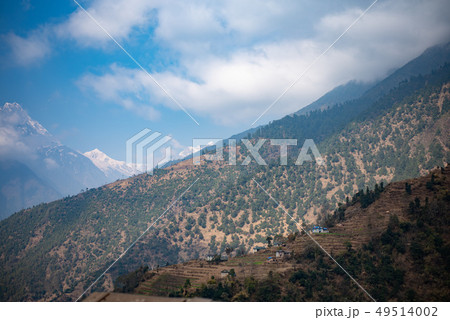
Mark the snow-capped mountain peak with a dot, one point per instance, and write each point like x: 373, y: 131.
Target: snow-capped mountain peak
x: 113, y: 169
x: 12, y: 114
x: 31, y: 156
x: 98, y: 155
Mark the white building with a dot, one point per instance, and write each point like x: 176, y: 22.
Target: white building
x: 282, y: 254
x: 224, y: 273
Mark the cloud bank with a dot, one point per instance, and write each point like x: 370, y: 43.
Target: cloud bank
x: 230, y: 60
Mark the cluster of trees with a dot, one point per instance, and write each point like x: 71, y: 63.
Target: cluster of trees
x: 248, y: 290
x: 369, y: 196
x: 128, y: 282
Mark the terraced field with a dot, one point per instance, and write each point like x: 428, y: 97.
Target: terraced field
x: 359, y: 227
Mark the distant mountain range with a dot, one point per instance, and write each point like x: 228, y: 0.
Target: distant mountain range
x: 35, y: 167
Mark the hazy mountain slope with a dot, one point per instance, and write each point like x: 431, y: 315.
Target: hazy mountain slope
x: 60, y: 248
x: 431, y: 59
x: 245, y: 134
x: 349, y: 91
x: 21, y: 188
x: 66, y: 169
x: 317, y: 124
x: 47, y: 168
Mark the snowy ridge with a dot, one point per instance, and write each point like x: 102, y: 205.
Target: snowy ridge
x: 13, y: 114
x: 36, y: 165
x: 113, y: 169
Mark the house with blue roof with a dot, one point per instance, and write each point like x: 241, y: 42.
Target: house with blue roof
x: 318, y: 229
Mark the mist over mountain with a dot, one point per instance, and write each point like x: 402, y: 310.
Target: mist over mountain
x: 21, y: 188
x: 318, y: 122
x: 349, y: 91
x: 36, y: 167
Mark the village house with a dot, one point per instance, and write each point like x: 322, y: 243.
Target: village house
x: 256, y: 249
x: 223, y: 257
x: 209, y: 257
x: 283, y: 254
x: 317, y: 229
x: 224, y: 273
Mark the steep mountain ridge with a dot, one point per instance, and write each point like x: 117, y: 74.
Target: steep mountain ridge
x: 349, y: 91
x: 61, y: 247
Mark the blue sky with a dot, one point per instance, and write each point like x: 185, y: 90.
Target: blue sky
x: 224, y: 62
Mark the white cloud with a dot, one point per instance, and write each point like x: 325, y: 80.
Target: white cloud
x: 220, y: 27
x: 187, y: 152
x: 119, y: 18
x: 10, y: 144
x: 231, y: 59
x: 239, y: 84
x: 30, y: 49
x: 171, y: 150
x: 185, y: 25
x: 392, y: 33
x: 127, y: 87
x: 179, y: 151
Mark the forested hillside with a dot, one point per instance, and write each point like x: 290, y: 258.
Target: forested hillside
x: 54, y: 251
x: 394, y: 241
